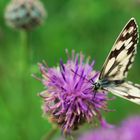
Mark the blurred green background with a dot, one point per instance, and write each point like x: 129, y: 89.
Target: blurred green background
x: 90, y: 26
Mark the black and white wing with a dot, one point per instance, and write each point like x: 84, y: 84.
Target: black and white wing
x: 121, y: 56
x: 119, y: 61
x: 127, y: 90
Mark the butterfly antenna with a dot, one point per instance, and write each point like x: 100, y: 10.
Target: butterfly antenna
x: 91, y: 80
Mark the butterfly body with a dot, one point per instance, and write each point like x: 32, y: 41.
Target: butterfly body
x: 103, y: 84
x: 120, y: 59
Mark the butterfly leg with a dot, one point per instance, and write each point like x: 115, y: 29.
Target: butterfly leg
x: 94, y: 94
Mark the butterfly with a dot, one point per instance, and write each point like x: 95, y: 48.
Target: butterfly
x: 114, y: 72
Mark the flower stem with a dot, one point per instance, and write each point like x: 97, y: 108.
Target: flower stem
x: 24, y: 52
x: 23, y: 81
x: 25, y: 62
x: 51, y: 134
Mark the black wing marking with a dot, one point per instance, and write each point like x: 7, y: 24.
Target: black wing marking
x: 127, y: 90
x: 121, y: 56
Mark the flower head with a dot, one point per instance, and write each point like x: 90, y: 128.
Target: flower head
x: 131, y: 128
x: 69, y: 97
x: 24, y: 14
x: 128, y: 130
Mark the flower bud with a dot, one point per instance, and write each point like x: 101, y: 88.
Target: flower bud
x: 24, y: 14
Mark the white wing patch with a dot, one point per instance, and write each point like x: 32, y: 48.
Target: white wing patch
x: 121, y: 56
x: 127, y: 90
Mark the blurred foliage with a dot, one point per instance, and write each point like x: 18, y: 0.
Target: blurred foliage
x: 90, y: 26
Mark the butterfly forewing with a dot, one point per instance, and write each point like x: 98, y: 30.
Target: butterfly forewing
x: 122, y: 54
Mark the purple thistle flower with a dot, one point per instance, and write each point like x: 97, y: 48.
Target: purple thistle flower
x: 128, y: 130
x: 69, y: 97
x: 131, y: 128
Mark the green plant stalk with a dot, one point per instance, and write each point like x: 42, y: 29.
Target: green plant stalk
x: 25, y: 68
x: 24, y: 53
x: 51, y: 134
x: 24, y: 81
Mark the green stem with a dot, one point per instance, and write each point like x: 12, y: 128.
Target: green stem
x: 51, y: 134
x: 24, y: 75
x: 24, y: 53
x: 25, y: 62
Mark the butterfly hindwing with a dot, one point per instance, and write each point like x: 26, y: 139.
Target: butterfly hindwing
x: 127, y: 90
x: 121, y: 56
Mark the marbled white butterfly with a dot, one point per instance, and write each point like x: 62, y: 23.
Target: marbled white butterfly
x: 119, y: 61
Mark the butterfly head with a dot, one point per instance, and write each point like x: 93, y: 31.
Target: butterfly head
x: 96, y: 86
